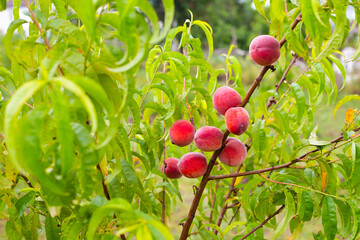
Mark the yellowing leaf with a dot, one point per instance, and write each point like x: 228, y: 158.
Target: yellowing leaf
x: 323, y: 180
x: 103, y: 166
x: 270, y: 120
x: 349, y: 115
x: 239, y: 179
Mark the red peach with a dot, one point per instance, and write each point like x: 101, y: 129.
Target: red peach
x: 264, y: 50
x: 208, y: 138
x: 225, y: 98
x: 237, y: 120
x: 182, y: 133
x: 234, y: 152
x: 171, y: 169
x: 192, y: 165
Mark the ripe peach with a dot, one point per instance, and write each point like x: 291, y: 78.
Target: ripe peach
x: 208, y: 138
x: 264, y: 50
x: 182, y: 133
x: 237, y: 120
x: 192, y: 165
x: 234, y: 152
x: 170, y: 168
x: 225, y: 98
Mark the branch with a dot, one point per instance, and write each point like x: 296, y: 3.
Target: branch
x: 105, y: 188
x: 106, y: 192
x: 26, y: 180
x: 306, y: 188
x: 283, y: 78
x: 225, y: 206
x: 269, y: 103
x: 206, y: 177
x: 286, y: 165
x: 264, y: 222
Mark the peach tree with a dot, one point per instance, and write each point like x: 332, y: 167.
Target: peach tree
x: 99, y: 125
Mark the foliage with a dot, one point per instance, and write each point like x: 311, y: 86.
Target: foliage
x: 82, y: 146
x: 233, y: 22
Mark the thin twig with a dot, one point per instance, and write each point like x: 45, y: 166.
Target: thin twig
x: 264, y: 222
x: 26, y: 180
x: 227, y: 196
x: 236, y: 211
x: 105, y: 188
x: 283, y: 78
x: 286, y: 165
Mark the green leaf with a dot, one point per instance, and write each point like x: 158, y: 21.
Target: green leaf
x: 260, y: 7
x: 51, y: 228
x: 5, y: 73
x: 356, y: 214
x: 300, y: 100
x: 13, y: 230
x: 259, y: 136
x: 345, y: 212
x: 2, y: 5
x: 341, y: 68
x: 60, y: 8
x: 95, y: 90
x: 208, y: 33
x: 86, y: 12
x: 306, y: 206
x: 169, y: 8
x: 328, y: 177
x: 81, y: 94
x: 329, y: 219
x: 355, y: 170
x: 345, y: 100
x: 135, y: 112
x: 313, y: 139
x: 130, y: 178
x: 63, y: 130
x: 9, y: 35
x: 331, y: 75
x: 12, y: 111
x: 5, y: 184
x: 313, y: 22
x: 337, y: 37
x: 116, y: 204
x: 22, y: 204
x: 288, y: 213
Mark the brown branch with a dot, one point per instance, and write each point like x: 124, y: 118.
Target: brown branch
x: 105, y: 188
x: 106, y: 193
x: 236, y: 211
x: 293, y: 25
x: 206, y: 177
x: 200, y: 190
x: 264, y: 222
x: 286, y: 165
x: 227, y: 196
x: 283, y: 78
x: 26, y: 180
x: 269, y: 103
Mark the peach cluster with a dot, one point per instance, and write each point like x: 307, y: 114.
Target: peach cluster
x: 264, y: 50
x: 208, y: 138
